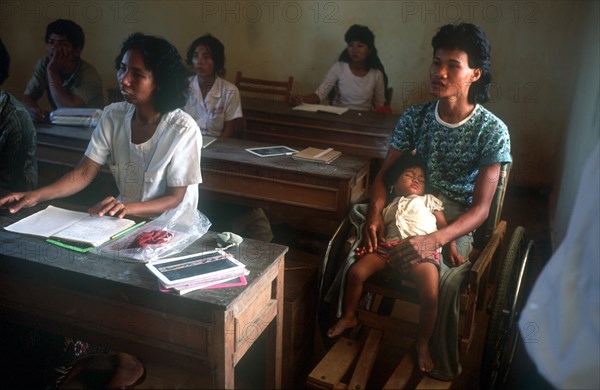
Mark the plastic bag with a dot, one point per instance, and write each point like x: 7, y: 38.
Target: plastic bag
x: 174, y: 230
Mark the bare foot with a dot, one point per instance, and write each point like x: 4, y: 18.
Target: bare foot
x: 340, y: 326
x: 128, y: 371
x: 423, y: 356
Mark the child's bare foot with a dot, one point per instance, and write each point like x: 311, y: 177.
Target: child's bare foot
x: 423, y: 356
x: 340, y: 326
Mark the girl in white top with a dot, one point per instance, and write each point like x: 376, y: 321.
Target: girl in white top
x: 213, y: 101
x: 410, y: 213
x: 358, y: 80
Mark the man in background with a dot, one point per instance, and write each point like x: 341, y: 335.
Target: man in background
x: 62, y: 74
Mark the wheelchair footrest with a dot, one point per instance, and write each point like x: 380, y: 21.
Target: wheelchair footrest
x: 334, y: 365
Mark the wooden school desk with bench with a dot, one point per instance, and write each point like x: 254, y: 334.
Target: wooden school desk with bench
x: 358, y: 133
x: 310, y: 191
x: 118, y: 304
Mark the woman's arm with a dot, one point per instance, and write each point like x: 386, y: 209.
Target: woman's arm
x: 373, y: 229
x: 228, y: 129
x: 451, y: 252
x: 310, y: 99
x: 318, y: 96
x: 113, y: 207
x: 69, y: 184
x: 379, y: 91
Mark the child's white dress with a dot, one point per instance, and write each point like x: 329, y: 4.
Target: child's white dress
x: 412, y: 215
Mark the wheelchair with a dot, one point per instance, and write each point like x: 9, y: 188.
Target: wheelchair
x: 494, y: 283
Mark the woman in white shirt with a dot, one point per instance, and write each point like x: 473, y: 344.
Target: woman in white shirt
x: 358, y: 80
x: 213, y: 101
x: 151, y: 146
x: 153, y: 150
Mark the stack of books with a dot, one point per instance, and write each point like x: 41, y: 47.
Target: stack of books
x: 325, y: 156
x: 211, y: 269
x: 82, y: 117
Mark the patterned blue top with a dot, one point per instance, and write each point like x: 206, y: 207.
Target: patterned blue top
x: 453, y: 152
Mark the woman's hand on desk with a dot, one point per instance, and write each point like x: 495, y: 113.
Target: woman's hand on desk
x: 109, y: 206
x: 299, y: 99
x: 17, y: 200
x: 296, y: 100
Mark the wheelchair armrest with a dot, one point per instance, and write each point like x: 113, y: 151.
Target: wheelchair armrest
x: 484, y: 260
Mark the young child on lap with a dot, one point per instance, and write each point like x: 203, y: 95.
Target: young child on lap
x: 410, y: 213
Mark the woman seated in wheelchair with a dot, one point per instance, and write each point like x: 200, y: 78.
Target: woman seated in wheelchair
x: 463, y: 145
x: 410, y: 213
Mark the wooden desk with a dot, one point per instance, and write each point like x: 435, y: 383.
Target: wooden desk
x: 360, y: 133
x: 117, y: 304
x: 320, y: 194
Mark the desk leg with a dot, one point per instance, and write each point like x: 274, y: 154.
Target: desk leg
x: 274, y: 335
x: 223, y: 347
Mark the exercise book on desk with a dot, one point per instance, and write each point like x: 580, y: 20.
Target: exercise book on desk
x: 320, y: 108
x: 68, y: 226
x: 212, y: 266
x: 223, y: 283
x: 325, y: 156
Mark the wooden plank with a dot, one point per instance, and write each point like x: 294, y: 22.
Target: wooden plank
x: 370, y: 349
x: 431, y: 384
x: 402, y: 374
x: 386, y: 323
x: 330, y: 370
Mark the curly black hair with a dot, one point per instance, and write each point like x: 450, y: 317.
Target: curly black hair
x: 167, y: 67
x: 472, y: 40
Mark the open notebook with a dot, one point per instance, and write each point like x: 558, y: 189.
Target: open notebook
x: 320, y: 108
x: 72, y: 226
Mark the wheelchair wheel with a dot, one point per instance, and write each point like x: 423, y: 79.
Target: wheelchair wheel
x: 502, y: 332
x: 332, y: 261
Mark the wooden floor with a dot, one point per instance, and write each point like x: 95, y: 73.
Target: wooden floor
x: 522, y: 208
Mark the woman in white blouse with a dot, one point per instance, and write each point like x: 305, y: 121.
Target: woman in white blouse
x: 213, y: 101
x: 357, y: 80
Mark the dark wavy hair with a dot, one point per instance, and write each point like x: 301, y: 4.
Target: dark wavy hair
x: 216, y: 49
x: 167, y: 67
x: 472, y: 40
x: 404, y: 162
x: 363, y: 34
x: 71, y: 30
x: 4, y: 62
